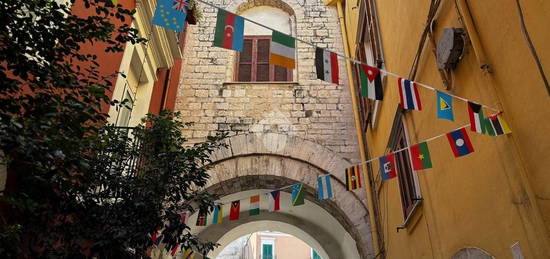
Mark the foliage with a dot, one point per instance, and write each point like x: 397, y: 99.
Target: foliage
x: 75, y: 192
x: 193, y: 6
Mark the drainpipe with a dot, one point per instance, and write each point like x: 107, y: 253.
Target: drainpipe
x: 370, y: 198
x: 473, y: 35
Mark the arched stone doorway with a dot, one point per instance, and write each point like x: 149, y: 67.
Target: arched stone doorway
x: 256, y: 163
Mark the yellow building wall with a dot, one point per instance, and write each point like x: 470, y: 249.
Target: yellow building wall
x: 499, y: 194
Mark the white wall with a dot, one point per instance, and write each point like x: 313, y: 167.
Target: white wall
x: 273, y: 17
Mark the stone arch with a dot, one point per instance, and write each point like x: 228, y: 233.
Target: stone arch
x: 271, y: 160
x: 472, y: 253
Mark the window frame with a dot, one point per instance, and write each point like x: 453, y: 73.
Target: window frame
x: 409, y: 187
x: 254, y: 63
x: 369, y: 50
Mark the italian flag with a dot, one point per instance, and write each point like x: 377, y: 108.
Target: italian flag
x: 229, y: 32
x: 420, y: 155
x: 282, y: 50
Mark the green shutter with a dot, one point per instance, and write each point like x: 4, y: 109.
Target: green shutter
x: 267, y: 251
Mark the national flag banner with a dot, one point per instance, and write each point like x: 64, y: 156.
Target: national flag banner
x: 477, y: 120
x: 202, y: 217
x: 175, y: 249
x: 326, y: 65
x: 254, y: 205
x: 185, y: 216
x: 353, y: 177
x: 235, y: 210
x: 388, y: 170
x: 444, y: 106
x: 460, y: 142
x: 324, y: 187
x: 371, y: 82
x: 420, y: 155
x: 498, y: 124
x: 217, y: 215
x: 171, y: 14
x: 282, y: 50
x: 297, y: 196
x: 229, y: 31
x: 188, y: 254
x: 408, y: 95
x: 274, y: 199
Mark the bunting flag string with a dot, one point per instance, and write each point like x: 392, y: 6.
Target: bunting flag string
x: 285, y: 43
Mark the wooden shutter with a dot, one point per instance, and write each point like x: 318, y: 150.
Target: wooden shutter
x: 262, y: 60
x: 244, y: 70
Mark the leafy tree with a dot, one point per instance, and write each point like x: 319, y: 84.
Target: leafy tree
x: 83, y: 187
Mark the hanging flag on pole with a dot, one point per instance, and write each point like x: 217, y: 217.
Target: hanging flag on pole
x: 171, y: 14
x: 371, y: 82
x: 217, y: 215
x: 324, y: 187
x: 185, y: 216
x: 175, y: 249
x: 460, y: 142
x: 188, y: 254
x: 274, y: 199
x: 353, y: 177
x: 229, y: 32
x: 498, y: 124
x: 444, y: 106
x: 408, y: 94
x: 388, y: 170
x: 254, y: 205
x: 298, y: 194
x: 235, y: 210
x: 282, y: 50
x: 326, y: 65
x: 201, y: 218
x: 420, y: 155
x: 477, y: 120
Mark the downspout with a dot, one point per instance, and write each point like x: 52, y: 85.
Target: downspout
x: 368, y: 187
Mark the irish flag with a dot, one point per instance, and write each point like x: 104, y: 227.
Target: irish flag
x: 254, y: 205
x: 282, y: 50
x: 229, y: 32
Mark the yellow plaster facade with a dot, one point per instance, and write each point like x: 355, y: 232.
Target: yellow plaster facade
x: 498, y: 195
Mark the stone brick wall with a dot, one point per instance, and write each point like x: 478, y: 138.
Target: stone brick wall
x: 307, y: 108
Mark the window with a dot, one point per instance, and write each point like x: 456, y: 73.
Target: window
x: 406, y: 177
x: 369, y: 51
x: 253, y: 62
x: 314, y: 254
x: 267, y: 249
x: 126, y: 109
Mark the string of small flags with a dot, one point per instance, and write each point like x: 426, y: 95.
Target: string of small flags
x: 229, y: 34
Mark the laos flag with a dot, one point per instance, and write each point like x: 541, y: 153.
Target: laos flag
x: 460, y: 142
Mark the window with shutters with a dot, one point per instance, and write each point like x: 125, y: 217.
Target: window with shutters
x: 369, y: 51
x: 253, y: 62
x: 408, y: 183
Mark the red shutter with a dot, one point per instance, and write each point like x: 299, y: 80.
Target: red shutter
x: 281, y: 73
x: 253, y: 62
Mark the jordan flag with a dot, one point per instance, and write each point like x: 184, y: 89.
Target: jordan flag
x: 460, y: 142
x: 235, y: 211
x: 387, y: 167
x: 477, y: 120
x: 229, y: 32
x: 274, y: 198
x: 326, y: 64
x: 408, y: 95
x: 371, y: 82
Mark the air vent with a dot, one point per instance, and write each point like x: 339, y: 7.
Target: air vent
x: 450, y: 48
